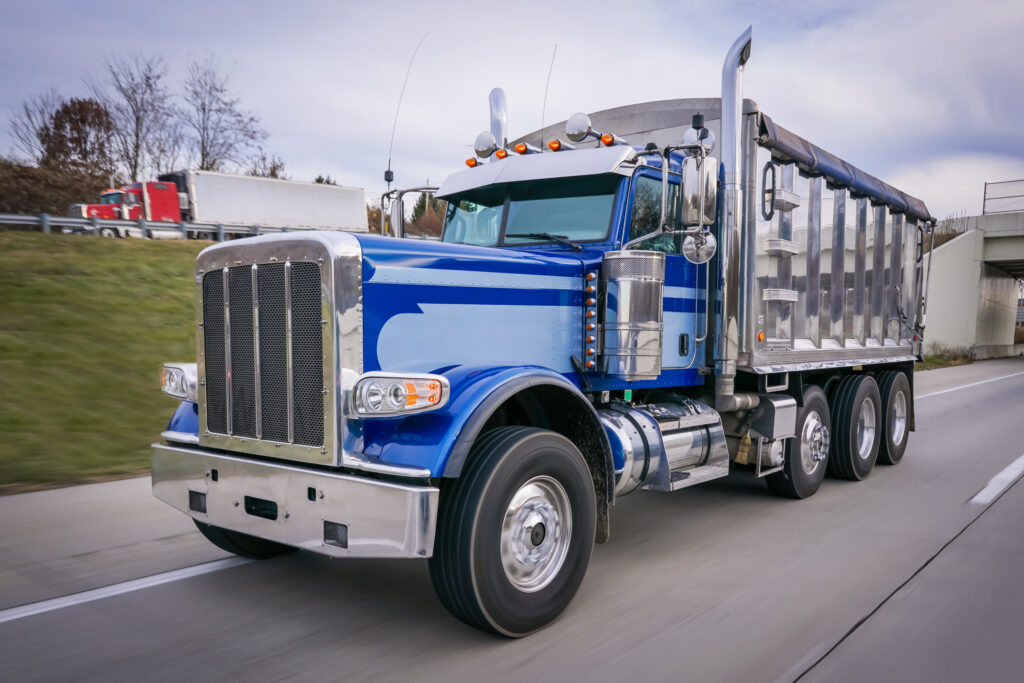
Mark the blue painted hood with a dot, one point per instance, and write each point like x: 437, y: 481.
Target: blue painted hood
x: 428, y: 306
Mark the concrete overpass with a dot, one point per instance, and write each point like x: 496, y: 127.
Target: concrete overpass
x: 972, y: 302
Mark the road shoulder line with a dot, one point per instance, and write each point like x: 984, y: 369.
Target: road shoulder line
x: 999, y: 483
x: 972, y: 384
x: 31, y: 609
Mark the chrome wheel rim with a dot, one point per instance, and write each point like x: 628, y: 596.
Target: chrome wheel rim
x: 899, y: 418
x: 866, y: 428
x: 535, y: 534
x: 814, y: 442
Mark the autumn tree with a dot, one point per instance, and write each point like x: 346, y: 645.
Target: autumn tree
x: 218, y: 132
x: 134, y: 94
x: 427, y: 215
x: 78, y: 138
x: 31, y: 123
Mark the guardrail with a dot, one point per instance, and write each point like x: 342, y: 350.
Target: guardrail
x: 140, y: 228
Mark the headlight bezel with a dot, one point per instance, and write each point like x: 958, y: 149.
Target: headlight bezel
x: 181, y: 381
x: 396, y: 394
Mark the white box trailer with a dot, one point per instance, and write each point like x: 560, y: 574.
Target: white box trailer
x: 228, y: 199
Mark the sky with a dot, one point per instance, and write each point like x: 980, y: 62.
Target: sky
x: 925, y: 95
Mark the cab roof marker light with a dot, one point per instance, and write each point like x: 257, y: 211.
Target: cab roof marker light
x: 527, y: 148
x: 557, y: 145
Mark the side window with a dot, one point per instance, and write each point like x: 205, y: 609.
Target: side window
x: 647, y: 213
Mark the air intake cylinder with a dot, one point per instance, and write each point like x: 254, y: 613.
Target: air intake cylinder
x: 634, y: 294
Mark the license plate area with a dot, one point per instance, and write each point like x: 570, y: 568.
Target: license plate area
x: 261, y: 507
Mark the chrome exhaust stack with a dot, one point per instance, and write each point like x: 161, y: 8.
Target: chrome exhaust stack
x: 727, y: 340
x: 499, y: 117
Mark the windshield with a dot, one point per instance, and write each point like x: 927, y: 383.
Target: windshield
x: 578, y: 209
x: 112, y: 198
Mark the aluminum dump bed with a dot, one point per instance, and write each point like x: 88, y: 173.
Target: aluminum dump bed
x: 829, y: 256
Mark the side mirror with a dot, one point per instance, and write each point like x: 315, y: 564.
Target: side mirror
x: 396, y: 217
x: 700, y: 185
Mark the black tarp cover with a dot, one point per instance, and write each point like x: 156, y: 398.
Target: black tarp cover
x: 787, y: 146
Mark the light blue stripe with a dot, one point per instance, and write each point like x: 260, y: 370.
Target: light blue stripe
x: 470, y: 278
x: 680, y: 293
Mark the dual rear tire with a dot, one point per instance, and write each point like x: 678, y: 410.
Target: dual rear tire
x: 867, y: 421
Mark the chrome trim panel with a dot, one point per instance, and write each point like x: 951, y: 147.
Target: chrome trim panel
x: 383, y: 519
x: 256, y: 353
x: 227, y: 350
x: 289, y: 370
x: 340, y: 259
x: 180, y: 437
x: 841, y: 358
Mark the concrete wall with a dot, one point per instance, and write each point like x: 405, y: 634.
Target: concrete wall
x: 952, y: 321
x: 972, y: 305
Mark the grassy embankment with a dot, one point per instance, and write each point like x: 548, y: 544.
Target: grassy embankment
x: 85, y: 324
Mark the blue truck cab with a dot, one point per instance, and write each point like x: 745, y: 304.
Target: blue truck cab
x: 586, y: 326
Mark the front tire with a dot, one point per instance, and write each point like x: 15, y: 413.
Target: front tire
x: 515, y: 531
x: 245, y: 545
x: 807, y: 453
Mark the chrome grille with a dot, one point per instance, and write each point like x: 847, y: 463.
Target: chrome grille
x: 263, y: 348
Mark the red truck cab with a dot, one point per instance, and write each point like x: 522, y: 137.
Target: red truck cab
x: 128, y: 203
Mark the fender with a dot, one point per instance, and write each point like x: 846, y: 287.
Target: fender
x: 441, y: 440
x: 185, y: 419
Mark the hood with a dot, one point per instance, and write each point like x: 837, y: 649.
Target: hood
x: 428, y: 306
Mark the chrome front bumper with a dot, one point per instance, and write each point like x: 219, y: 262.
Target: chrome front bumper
x: 332, y: 514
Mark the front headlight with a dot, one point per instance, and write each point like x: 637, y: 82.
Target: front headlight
x: 180, y: 380
x: 386, y: 394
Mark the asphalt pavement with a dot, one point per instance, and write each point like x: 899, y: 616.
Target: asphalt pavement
x: 902, y: 577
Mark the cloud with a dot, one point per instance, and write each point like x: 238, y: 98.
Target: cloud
x: 891, y: 87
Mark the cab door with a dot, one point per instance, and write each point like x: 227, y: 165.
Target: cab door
x: 679, y: 317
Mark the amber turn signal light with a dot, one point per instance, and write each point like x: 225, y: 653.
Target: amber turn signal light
x: 471, y: 162
x: 521, y: 148
x: 555, y: 145
x: 608, y: 139
x: 501, y: 153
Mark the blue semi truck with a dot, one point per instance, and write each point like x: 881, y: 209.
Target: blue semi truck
x: 668, y: 291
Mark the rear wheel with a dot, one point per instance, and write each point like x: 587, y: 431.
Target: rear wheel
x: 895, y: 391
x: 515, y: 531
x: 242, y: 544
x: 109, y: 232
x: 856, y: 427
x: 806, y: 453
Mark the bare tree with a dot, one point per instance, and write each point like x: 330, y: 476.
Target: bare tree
x: 138, y: 101
x: 30, y: 123
x: 219, y: 132
x: 166, y: 146
x: 267, y: 167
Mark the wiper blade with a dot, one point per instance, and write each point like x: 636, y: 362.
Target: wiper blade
x: 561, y: 239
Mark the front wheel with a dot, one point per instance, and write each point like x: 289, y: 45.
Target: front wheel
x: 515, y: 531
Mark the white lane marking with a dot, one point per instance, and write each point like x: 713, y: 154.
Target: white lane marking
x: 999, y: 483
x: 34, y: 608
x: 972, y: 384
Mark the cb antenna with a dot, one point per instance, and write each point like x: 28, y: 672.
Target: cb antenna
x: 544, y: 106
x: 389, y: 175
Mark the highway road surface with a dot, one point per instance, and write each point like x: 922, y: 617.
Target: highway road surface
x: 916, y: 574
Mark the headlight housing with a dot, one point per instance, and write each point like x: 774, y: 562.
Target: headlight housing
x: 180, y: 380
x: 387, y: 394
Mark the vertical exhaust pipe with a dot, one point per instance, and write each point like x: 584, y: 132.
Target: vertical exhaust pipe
x: 499, y: 117
x: 727, y: 340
